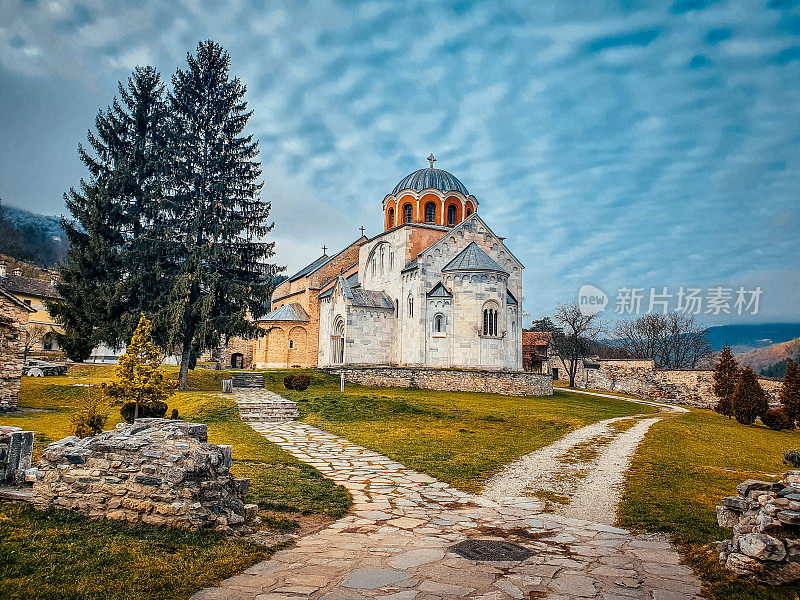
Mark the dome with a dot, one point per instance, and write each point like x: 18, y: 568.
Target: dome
x: 427, y: 178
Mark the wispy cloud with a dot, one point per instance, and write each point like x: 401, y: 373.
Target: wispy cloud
x: 651, y: 145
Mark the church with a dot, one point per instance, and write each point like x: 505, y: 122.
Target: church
x: 437, y: 288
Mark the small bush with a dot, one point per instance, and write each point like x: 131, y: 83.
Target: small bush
x: 792, y: 457
x: 91, y: 417
x: 777, y: 420
x: 174, y: 415
x: 153, y: 409
x: 296, y: 382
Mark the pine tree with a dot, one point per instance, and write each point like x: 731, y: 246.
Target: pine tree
x: 219, y: 269
x: 790, y: 391
x: 138, y: 377
x: 749, y: 400
x: 726, y: 376
x: 117, y: 241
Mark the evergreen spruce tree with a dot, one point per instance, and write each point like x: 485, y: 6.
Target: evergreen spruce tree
x: 749, y: 400
x: 726, y: 376
x: 118, y: 239
x: 219, y: 264
x: 790, y: 391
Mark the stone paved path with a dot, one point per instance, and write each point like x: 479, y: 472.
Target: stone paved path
x: 395, y: 543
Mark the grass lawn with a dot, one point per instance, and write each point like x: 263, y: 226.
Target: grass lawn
x: 684, y: 467
x: 460, y: 438
x: 58, y: 555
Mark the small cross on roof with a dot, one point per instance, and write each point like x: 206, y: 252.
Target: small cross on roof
x: 431, y: 159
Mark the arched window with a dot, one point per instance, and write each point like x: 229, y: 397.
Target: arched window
x: 451, y: 215
x: 469, y: 211
x: 410, y: 306
x: 430, y: 212
x: 382, y: 253
x: 408, y: 213
x: 337, y: 342
x: 438, y: 324
x: 490, y: 320
x: 291, y: 344
x: 391, y: 217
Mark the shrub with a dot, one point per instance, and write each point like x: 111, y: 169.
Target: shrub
x: 792, y: 457
x: 724, y: 407
x: 91, y: 417
x: 296, y: 382
x: 174, y: 415
x: 151, y: 409
x: 790, y: 391
x: 138, y: 378
x: 749, y: 399
x: 777, y: 420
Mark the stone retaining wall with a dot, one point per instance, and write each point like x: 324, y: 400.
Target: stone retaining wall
x: 451, y: 380
x: 16, y: 448
x: 765, y: 517
x: 692, y: 387
x: 13, y: 324
x: 155, y: 471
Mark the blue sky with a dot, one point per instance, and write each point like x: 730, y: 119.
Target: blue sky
x: 615, y: 144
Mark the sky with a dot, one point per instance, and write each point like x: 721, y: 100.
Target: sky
x: 635, y: 145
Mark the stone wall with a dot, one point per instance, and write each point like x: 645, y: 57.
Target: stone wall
x: 13, y: 321
x: 692, y: 387
x: 16, y: 448
x: 155, y: 471
x: 765, y: 518
x: 451, y: 380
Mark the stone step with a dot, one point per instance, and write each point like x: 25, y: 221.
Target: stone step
x: 247, y: 379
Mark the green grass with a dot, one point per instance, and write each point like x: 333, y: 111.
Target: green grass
x: 460, y: 438
x: 56, y: 554
x: 684, y: 467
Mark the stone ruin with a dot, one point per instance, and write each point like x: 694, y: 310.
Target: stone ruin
x: 16, y: 448
x: 765, y: 517
x: 155, y: 471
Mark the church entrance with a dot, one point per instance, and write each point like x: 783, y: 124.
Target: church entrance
x: 337, y: 343
x: 237, y: 361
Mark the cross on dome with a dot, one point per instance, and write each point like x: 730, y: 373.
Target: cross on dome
x: 431, y: 159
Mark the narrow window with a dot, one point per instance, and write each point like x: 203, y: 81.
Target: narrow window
x: 430, y: 212
x: 410, y: 306
x: 396, y: 307
x: 391, y: 260
x: 291, y: 344
x: 438, y: 324
x: 382, y: 253
x: 407, y: 213
x: 451, y: 215
x: 469, y: 211
x: 391, y: 218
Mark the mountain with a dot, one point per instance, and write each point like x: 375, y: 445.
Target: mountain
x: 30, y: 237
x: 743, y: 338
x: 762, y: 359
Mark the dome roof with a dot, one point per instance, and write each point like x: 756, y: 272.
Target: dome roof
x: 428, y: 178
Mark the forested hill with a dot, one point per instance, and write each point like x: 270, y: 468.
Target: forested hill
x: 31, y: 237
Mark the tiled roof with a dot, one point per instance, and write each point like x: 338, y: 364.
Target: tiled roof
x: 536, y: 337
x: 372, y: 299
x: 287, y: 312
x: 412, y: 265
x: 17, y: 284
x: 473, y: 258
x: 11, y: 297
x: 439, y: 291
x: 436, y: 179
x: 310, y: 268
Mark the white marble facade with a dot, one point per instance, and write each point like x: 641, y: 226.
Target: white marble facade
x: 457, y: 304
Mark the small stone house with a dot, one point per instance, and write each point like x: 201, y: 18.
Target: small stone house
x: 14, y: 315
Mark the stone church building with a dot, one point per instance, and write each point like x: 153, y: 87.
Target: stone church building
x: 437, y: 288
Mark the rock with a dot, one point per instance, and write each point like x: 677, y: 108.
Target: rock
x: 726, y: 517
x: 791, y: 517
x: 752, y: 484
x: 762, y: 546
x: 735, y: 503
x: 743, y: 565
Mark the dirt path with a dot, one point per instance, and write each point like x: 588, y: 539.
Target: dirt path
x: 581, y: 474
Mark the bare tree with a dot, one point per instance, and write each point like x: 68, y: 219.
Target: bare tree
x: 34, y: 334
x: 574, y: 340
x: 673, y: 340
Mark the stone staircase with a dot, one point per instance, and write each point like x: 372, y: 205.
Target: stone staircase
x: 264, y: 406
x: 247, y: 379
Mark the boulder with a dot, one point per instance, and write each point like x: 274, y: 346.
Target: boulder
x: 762, y: 546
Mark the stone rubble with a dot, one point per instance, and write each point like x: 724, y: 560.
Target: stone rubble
x: 765, y: 518
x: 155, y: 471
x: 395, y: 543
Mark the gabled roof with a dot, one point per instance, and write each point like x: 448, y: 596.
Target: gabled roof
x: 11, y: 297
x: 510, y: 298
x: 287, y: 312
x: 410, y: 266
x: 536, y: 337
x: 17, y: 284
x: 307, y: 270
x: 439, y: 291
x: 473, y: 258
x: 372, y: 299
